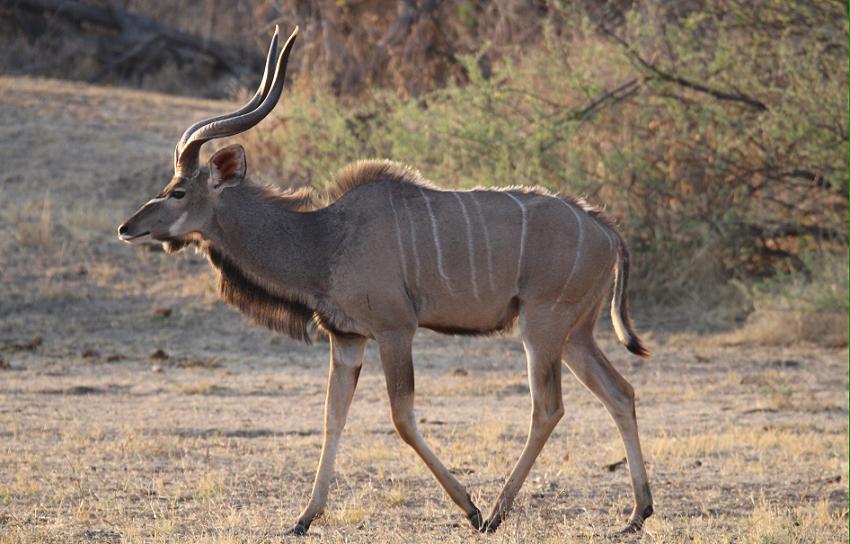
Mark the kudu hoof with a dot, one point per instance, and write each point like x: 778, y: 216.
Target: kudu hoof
x: 636, y: 523
x: 632, y: 528
x: 490, y: 526
x: 476, y: 520
x: 296, y: 530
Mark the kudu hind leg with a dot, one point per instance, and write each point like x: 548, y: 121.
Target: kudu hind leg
x: 543, y: 340
x: 397, y: 360
x: 346, y: 361
x: 592, y: 368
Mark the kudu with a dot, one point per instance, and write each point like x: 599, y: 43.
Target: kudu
x: 386, y: 253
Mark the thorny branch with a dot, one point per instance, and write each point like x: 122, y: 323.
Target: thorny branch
x: 673, y: 78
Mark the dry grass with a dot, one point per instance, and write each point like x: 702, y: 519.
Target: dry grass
x: 184, y: 455
x: 789, y: 326
x: 34, y: 223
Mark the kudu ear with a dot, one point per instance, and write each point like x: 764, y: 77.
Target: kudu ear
x: 228, y: 167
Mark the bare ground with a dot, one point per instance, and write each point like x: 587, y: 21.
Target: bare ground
x: 216, y: 438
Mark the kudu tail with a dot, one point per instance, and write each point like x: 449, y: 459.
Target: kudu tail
x: 623, y: 325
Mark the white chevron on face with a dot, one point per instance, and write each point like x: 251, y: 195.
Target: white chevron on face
x: 174, y: 229
x: 157, y: 199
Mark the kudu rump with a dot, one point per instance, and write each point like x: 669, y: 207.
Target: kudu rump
x: 386, y: 252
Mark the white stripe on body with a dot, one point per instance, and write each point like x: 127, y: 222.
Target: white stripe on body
x: 486, y: 242
x: 398, y: 238
x: 522, y: 236
x: 412, y: 243
x: 578, y: 251
x: 436, y: 234
x: 469, y: 246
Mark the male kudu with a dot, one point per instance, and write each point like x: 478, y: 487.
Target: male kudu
x: 384, y: 253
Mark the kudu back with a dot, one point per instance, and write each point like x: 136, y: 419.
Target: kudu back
x: 383, y: 253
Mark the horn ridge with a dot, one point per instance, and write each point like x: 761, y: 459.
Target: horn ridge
x: 235, y: 124
x: 256, y: 100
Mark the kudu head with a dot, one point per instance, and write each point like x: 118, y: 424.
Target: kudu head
x: 184, y: 209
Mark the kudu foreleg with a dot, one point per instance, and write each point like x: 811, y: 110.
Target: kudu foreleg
x: 346, y: 361
x: 547, y: 408
x: 397, y: 360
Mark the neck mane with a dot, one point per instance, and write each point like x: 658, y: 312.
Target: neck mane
x: 271, y: 255
x: 278, y: 312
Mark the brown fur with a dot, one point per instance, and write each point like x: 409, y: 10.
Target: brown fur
x: 354, y: 175
x: 304, y: 199
x: 279, y: 313
x: 275, y: 312
x: 369, y: 171
x: 505, y: 325
x: 297, y: 319
x: 364, y: 172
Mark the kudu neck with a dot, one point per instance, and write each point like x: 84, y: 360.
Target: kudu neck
x: 283, y: 247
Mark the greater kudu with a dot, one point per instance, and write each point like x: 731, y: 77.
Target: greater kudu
x: 386, y: 252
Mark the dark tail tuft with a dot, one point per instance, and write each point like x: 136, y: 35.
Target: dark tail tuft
x: 637, y: 348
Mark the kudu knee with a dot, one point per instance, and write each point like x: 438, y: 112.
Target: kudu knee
x: 546, y: 417
x: 405, y: 426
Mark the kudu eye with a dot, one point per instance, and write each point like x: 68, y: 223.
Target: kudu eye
x: 178, y: 193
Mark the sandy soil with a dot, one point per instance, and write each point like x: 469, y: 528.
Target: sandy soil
x: 135, y: 407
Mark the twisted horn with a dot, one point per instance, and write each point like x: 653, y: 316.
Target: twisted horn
x: 187, y: 152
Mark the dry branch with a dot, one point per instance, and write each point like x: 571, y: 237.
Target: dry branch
x: 678, y: 80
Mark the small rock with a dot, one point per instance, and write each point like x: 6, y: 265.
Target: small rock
x: 159, y: 355
x: 156, y: 368
x: 90, y: 354
x: 115, y: 357
x: 162, y: 312
x: 460, y: 372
